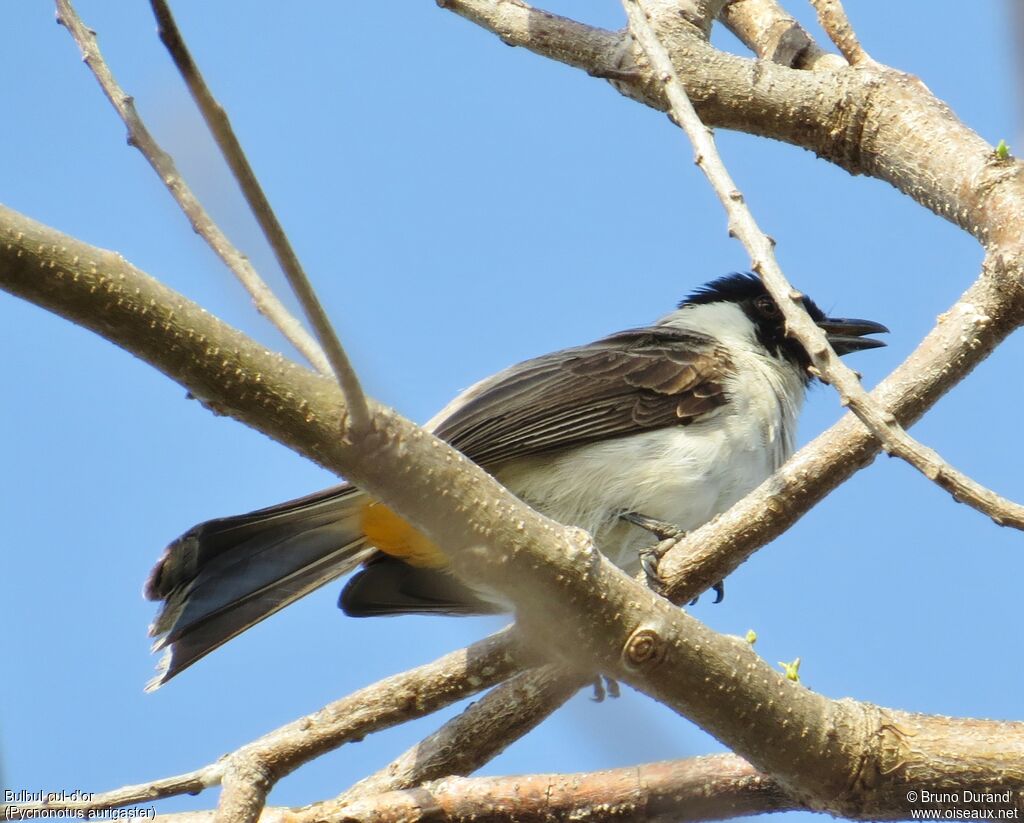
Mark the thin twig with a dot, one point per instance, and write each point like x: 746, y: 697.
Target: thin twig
x: 139, y: 137
x: 397, y: 699
x: 478, y: 735
x: 219, y: 124
x: 882, y: 424
x: 836, y: 24
x: 192, y: 782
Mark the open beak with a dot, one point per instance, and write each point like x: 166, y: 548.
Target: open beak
x: 846, y: 334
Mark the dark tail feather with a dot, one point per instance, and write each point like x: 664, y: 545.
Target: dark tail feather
x: 225, y: 575
x: 387, y: 586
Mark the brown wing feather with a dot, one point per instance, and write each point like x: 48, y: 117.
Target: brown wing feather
x: 631, y: 382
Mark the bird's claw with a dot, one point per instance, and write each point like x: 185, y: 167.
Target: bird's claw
x: 718, y: 589
x: 659, y: 528
x: 668, y: 535
x: 650, y: 557
x: 622, y: 75
x: 605, y: 687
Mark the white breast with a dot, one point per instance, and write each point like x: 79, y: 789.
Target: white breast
x: 685, y: 475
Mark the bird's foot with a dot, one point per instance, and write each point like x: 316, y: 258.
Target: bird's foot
x: 668, y: 536
x: 659, y: 528
x: 623, y: 75
x: 605, y: 687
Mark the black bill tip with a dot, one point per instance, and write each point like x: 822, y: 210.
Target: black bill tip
x: 846, y: 334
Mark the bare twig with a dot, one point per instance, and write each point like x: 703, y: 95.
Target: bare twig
x: 479, y: 734
x: 139, y: 137
x: 224, y: 134
x: 882, y: 424
x: 415, y: 693
x: 773, y: 34
x: 833, y: 19
x: 192, y: 782
x: 716, y: 549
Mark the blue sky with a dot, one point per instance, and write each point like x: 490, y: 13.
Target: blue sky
x: 460, y: 206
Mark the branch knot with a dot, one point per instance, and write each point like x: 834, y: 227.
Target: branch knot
x: 644, y: 648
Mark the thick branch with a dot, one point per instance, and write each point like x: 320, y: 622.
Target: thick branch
x: 812, y: 745
x: 866, y: 120
x: 842, y: 756
x: 704, y: 788
x: 719, y: 787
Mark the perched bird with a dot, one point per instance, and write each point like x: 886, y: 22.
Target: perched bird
x: 670, y: 423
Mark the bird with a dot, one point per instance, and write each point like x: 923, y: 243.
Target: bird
x: 670, y: 423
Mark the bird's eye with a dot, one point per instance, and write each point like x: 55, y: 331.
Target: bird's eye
x: 766, y: 307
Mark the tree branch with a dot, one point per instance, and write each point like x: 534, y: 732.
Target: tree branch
x: 139, y: 136
x: 893, y: 438
x: 846, y: 757
x: 192, y: 782
x: 251, y: 771
x: 810, y: 744
x: 773, y: 34
x: 988, y: 311
x: 833, y: 19
x: 718, y: 787
x: 867, y: 121
x: 881, y: 123
x: 473, y: 738
x: 223, y: 133
x: 560, y: 38
x: 704, y: 788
